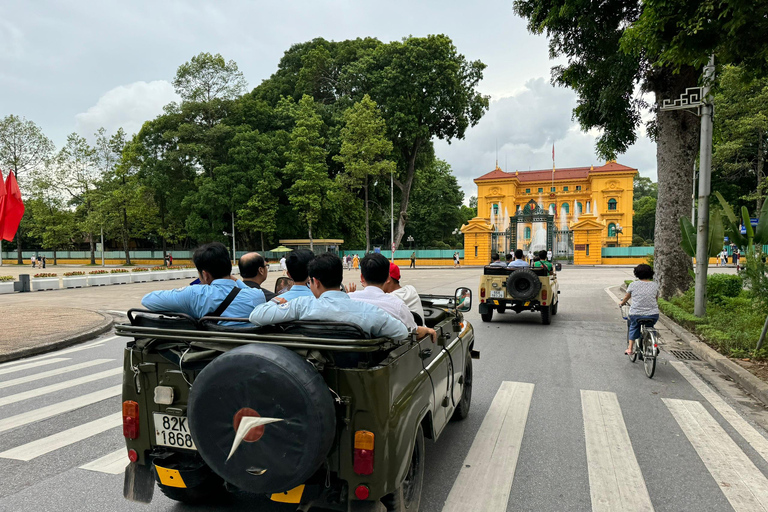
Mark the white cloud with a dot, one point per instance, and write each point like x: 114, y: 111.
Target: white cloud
x: 523, y: 127
x: 126, y: 106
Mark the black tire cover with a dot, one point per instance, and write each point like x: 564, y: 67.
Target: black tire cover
x: 272, y: 382
x: 523, y: 284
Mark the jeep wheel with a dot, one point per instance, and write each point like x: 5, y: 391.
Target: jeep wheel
x: 523, y: 284
x: 462, y: 409
x: 211, y: 489
x: 408, y: 496
x: 487, y: 317
x: 546, y: 317
x: 554, y: 308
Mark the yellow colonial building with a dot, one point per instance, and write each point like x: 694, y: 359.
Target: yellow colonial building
x: 573, y: 212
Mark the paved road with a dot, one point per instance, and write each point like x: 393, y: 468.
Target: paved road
x: 575, y: 426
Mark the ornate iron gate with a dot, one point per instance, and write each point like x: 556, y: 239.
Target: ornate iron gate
x: 563, y: 245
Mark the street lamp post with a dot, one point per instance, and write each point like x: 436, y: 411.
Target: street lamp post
x: 410, y: 240
x: 619, y: 230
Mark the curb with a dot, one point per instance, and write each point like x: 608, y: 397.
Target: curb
x: 105, y: 326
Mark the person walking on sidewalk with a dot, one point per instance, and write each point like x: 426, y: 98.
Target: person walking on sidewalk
x: 413, y: 260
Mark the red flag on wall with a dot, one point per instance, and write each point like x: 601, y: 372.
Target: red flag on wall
x: 13, y: 208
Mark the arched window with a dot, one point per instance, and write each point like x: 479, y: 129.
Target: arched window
x: 495, y: 209
x: 553, y: 208
x: 611, y: 204
x: 566, y: 208
x: 527, y: 233
x: 611, y: 230
x: 579, y: 208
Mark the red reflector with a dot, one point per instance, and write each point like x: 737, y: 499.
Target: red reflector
x: 363, y: 464
x: 362, y: 492
x: 132, y: 455
x: 543, y: 294
x: 482, y: 292
x: 130, y: 419
x: 543, y: 303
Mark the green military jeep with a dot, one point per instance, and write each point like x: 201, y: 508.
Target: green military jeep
x: 519, y: 289
x: 310, y: 413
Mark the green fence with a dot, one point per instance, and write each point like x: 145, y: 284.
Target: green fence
x: 626, y: 252
x: 406, y: 253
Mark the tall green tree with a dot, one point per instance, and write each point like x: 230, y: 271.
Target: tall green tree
x: 741, y: 132
x: 51, y: 221
x: 437, y: 206
x: 364, y: 151
x: 306, y: 166
x: 24, y: 149
x: 612, y: 48
x: 425, y: 89
x: 209, y: 77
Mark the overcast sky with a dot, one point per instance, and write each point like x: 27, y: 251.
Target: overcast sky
x: 77, y: 66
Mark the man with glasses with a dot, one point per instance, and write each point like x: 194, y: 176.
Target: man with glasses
x: 253, y: 270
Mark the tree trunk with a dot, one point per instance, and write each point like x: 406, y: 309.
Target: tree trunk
x: 677, y: 145
x: 93, y: 249
x: 367, y: 226
x: 311, y: 242
x: 405, y: 189
x: 162, y: 223
x: 262, y: 240
x: 760, y: 166
x: 54, y: 257
x: 19, y: 259
x: 125, y: 238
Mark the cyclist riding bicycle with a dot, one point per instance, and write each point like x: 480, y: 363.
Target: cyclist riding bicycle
x: 645, y: 306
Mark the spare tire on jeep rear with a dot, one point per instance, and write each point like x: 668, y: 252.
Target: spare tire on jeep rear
x: 523, y: 284
x: 268, y: 382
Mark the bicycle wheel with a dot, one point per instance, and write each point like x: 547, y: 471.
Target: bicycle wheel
x: 633, y: 355
x: 649, y: 356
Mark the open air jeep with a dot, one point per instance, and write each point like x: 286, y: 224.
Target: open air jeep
x: 519, y: 289
x: 310, y: 413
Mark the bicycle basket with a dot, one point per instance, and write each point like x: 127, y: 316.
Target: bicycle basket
x: 625, y: 311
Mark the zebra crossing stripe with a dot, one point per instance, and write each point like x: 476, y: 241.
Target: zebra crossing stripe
x: 113, y: 463
x: 33, y: 393
x: 51, y: 373
x: 485, y: 479
x: 58, y: 408
x: 95, y: 344
x: 747, y: 431
x: 34, y: 449
x: 742, y: 483
x: 615, y: 480
x: 35, y: 364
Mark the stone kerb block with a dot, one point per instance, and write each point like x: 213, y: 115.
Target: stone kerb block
x: 190, y: 273
x: 159, y: 275
x: 99, y: 279
x: 121, y: 278
x: 140, y: 277
x: 74, y: 282
x: 45, y: 283
x: 6, y: 287
x: 175, y: 274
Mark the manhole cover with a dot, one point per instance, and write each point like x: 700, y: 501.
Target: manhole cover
x: 684, y: 355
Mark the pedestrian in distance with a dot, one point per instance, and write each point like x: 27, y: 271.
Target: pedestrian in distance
x: 44, y: 261
x: 282, y: 265
x: 456, y: 262
x: 170, y: 259
x: 549, y: 256
x: 736, y: 258
x: 413, y: 260
x: 355, y: 262
x: 33, y: 261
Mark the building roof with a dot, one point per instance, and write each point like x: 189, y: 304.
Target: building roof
x: 568, y: 173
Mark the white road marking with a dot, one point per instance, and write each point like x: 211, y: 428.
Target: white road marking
x: 747, y: 431
x: 113, y: 463
x: 29, y: 451
x: 94, y: 344
x: 33, y: 393
x: 485, y: 479
x: 51, y: 373
x: 612, y: 295
x: 741, y: 481
x: 59, y: 408
x: 35, y: 364
x: 615, y: 480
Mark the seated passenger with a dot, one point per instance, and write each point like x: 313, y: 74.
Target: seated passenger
x: 510, y: 257
x: 219, y: 294
x: 296, y: 265
x: 331, y: 305
x: 542, y: 262
x: 374, y: 273
x: 519, y: 259
x: 254, y: 271
x: 407, y: 293
x: 495, y: 261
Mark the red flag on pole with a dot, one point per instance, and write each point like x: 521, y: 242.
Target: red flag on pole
x: 2, y: 200
x: 13, y: 208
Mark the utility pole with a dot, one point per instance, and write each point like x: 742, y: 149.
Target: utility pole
x: 102, y: 246
x: 693, y: 197
x: 705, y: 169
x: 392, y: 212
x: 234, y: 254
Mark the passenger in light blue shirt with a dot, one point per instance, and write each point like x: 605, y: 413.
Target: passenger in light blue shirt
x: 297, y: 267
x: 197, y: 301
x: 325, y: 276
x: 519, y: 259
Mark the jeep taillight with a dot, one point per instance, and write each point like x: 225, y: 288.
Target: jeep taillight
x: 482, y: 292
x: 363, y: 462
x: 130, y: 419
x: 543, y: 294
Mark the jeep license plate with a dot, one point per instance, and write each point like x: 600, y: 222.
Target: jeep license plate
x: 497, y: 294
x: 173, y: 431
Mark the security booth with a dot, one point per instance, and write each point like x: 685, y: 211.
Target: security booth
x: 320, y: 245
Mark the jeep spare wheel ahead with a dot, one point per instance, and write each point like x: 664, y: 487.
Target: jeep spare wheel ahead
x: 519, y: 289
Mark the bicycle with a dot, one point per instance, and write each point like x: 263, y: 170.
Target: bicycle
x: 647, y: 347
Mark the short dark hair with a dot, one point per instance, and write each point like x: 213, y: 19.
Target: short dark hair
x: 643, y: 271
x: 494, y: 256
x: 213, y: 258
x: 375, y: 268
x: 327, y: 269
x: 543, y: 255
x: 250, y: 264
x: 518, y: 254
x: 509, y: 256
x: 297, y: 262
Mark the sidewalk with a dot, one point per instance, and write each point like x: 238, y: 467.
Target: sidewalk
x: 29, y: 329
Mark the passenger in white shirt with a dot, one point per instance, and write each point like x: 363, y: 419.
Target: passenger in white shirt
x: 374, y: 273
x: 407, y: 293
